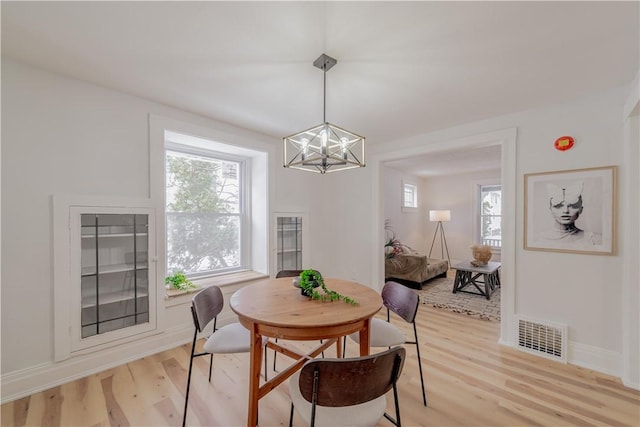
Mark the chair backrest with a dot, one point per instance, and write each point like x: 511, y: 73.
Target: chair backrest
x: 288, y: 273
x: 206, y: 305
x: 401, y: 300
x: 351, y: 381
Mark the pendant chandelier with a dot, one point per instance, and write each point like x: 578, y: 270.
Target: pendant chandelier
x: 325, y: 147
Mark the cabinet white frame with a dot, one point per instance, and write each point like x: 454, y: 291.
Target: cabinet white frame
x: 68, y: 274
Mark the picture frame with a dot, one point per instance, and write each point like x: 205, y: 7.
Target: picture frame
x: 571, y: 211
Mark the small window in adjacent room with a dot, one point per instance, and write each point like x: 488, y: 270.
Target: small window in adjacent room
x: 490, y: 208
x: 409, y: 196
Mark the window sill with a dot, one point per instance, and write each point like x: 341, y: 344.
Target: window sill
x: 176, y: 297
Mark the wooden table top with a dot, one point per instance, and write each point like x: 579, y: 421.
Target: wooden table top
x: 277, y: 303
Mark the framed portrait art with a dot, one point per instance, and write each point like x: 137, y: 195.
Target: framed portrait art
x: 571, y: 211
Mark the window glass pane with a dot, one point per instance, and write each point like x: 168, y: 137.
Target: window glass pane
x: 203, y: 213
x: 491, y: 215
x: 410, y: 199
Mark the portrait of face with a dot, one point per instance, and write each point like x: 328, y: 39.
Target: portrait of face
x: 566, y: 213
x: 570, y: 211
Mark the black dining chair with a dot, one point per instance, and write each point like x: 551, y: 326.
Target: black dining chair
x: 231, y: 338
x: 347, y: 391
x: 404, y: 302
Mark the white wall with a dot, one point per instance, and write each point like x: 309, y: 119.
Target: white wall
x: 63, y: 136
x: 631, y: 294
x: 456, y: 193
x: 407, y: 225
x: 582, y: 291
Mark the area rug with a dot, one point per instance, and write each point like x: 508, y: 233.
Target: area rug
x: 438, y: 293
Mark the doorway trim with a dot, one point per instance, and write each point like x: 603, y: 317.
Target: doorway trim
x: 506, y: 138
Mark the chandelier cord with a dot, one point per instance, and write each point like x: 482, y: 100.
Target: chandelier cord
x: 324, y: 96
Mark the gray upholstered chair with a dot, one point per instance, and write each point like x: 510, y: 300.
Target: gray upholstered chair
x: 232, y: 338
x: 347, y: 392
x: 404, y: 302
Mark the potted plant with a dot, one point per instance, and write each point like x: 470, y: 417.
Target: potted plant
x: 311, y: 279
x: 179, y: 281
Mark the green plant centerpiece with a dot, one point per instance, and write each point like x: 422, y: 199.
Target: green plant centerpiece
x: 311, y: 279
x: 179, y: 281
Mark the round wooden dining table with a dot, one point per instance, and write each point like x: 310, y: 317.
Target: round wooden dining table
x: 275, y: 308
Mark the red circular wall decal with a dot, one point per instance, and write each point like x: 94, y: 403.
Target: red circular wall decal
x: 563, y: 143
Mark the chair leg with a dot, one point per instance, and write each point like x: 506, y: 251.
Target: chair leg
x: 344, y: 347
x: 210, y: 366
x: 274, y: 357
x: 291, y: 416
x: 395, y: 421
x: 186, y: 397
x: 397, y: 403
x: 415, y: 332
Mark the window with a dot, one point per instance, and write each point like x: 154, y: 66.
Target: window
x: 409, y: 196
x: 205, y: 211
x: 490, y: 208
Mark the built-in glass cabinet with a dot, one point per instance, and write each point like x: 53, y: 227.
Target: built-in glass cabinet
x: 289, y: 241
x: 114, y: 273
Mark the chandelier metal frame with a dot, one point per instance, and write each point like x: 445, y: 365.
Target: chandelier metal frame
x: 325, y: 147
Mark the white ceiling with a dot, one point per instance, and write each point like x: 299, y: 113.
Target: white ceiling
x: 404, y: 68
x: 450, y: 162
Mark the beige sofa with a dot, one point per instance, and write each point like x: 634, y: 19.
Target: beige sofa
x: 413, y: 269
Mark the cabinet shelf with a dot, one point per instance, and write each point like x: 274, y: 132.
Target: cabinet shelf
x: 114, y: 268
x: 88, y: 300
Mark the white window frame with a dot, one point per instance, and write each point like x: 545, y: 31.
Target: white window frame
x: 245, y: 207
x: 241, y: 143
x: 478, y: 208
x: 409, y: 204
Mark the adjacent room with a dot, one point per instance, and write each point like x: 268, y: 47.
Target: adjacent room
x: 360, y: 213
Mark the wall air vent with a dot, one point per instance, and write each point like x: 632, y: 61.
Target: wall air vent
x: 543, y: 338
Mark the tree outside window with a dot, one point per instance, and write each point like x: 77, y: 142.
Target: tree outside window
x: 203, y: 213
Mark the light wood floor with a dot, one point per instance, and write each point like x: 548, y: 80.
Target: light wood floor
x: 470, y: 380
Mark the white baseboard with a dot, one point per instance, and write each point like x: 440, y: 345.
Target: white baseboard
x: 633, y: 385
x: 25, y: 382
x: 590, y: 357
x: 595, y: 358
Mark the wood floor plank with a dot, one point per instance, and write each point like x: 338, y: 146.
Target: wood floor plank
x: 52, y: 408
x: 116, y: 415
x: 470, y: 380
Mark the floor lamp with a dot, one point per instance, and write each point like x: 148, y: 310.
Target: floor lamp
x: 440, y: 217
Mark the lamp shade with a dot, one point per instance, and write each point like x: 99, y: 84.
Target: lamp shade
x: 435, y: 216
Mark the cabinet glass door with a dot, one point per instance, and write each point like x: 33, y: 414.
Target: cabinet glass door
x: 114, y: 272
x: 289, y: 243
